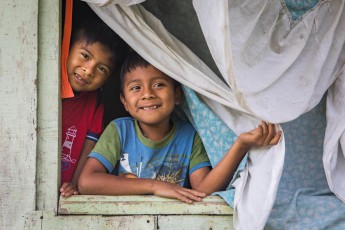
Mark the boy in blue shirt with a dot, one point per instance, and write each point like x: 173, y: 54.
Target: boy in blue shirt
x: 164, y: 156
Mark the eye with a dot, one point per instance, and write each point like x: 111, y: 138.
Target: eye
x: 158, y: 85
x: 134, y: 88
x: 103, y: 69
x: 85, y: 56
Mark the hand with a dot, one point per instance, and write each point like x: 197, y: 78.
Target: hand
x: 264, y: 135
x: 68, y: 189
x: 169, y: 190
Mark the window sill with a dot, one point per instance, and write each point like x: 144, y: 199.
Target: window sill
x: 140, y: 205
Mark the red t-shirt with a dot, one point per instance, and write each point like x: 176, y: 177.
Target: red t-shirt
x: 82, y: 118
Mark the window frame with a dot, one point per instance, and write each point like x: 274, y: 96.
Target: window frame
x: 48, y: 199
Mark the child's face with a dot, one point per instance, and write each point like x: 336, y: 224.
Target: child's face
x: 149, y: 95
x: 88, y: 66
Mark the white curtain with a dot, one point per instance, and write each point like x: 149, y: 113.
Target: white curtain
x: 274, y: 69
x: 281, y: 69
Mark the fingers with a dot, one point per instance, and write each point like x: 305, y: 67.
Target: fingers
x: 64, y: 186
x: 265, y: 134
x: 265, y: 130
x: 70, y: 192
x: 268, y: 135
x: 190, y: 195
x: 276, y: 138
x: 68, y: 189
x: 169, y: 190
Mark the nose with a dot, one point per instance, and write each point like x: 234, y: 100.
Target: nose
x: 147, y: 93
x: 88, y: 69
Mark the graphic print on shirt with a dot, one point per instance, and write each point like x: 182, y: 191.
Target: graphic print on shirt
x: 124, y: 162
x: 67, y: 149
x: 169, y: 170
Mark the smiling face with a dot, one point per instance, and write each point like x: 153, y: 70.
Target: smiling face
x: 88, y: 66
x: 149, y: 96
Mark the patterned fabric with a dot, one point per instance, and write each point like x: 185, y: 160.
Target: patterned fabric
x: 216, y: 136
x: 304, y: 200
x: 299, y: 7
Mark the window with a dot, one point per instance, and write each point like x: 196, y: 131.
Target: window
x: 116, y: 212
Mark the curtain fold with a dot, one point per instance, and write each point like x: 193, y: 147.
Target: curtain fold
x: 274, y: 69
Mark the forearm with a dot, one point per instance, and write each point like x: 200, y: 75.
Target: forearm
x: 220, y: 176
x: 87, y: 148
x: 106, y: 184
x: 94, y: 179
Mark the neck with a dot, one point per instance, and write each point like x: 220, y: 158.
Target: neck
x: 155, y: 133
x: 76, y: 93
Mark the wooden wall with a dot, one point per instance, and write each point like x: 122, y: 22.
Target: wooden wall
x: 18, y: 100
x: 26, y: 138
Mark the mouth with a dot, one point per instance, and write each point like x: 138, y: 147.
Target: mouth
x: 80, y: 80
x: 152, y: 107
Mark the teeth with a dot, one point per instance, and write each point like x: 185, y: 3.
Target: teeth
x: 81, y: 79
x: 150, y: 107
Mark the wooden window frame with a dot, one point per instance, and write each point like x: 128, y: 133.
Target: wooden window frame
x: 52, y: 208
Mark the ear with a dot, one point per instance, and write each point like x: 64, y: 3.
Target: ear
x: 124, y: 102
x: 178, y: 95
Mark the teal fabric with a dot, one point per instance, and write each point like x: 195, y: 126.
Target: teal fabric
x: 216, y: 136
x: 304, y: 200
x: 299, y: 7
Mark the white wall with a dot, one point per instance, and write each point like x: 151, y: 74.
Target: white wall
x: 18, y: 104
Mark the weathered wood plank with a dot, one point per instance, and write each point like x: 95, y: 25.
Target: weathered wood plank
x: 48, y: 220
x: 48, y: 145
x: 18, y: 116
x: 33, y: 220
x: 195, y: 222
x: 135, y: 205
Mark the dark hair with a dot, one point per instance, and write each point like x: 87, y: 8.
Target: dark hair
x: 133, y: 61
x: 95, y: 30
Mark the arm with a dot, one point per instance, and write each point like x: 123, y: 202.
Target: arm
x: 94, y: 179
x: 71, y: 188
x: 217, y: 179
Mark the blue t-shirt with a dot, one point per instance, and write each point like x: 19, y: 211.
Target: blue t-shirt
x: 123, y: 149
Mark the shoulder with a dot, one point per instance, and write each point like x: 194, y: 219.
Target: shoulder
x: 124, y: 120
x: 124, y: 123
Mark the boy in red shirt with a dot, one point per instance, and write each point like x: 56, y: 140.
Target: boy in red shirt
x: 95, y: 51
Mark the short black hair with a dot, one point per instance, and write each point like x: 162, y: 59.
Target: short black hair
x: 133, y: 61
x: 95, y: 30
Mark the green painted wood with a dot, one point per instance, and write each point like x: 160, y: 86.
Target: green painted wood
x: 18, y: 116
x: 197, y: 222
x: 135, y: 205
x: 49, y: 221
x: 48, y: 144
